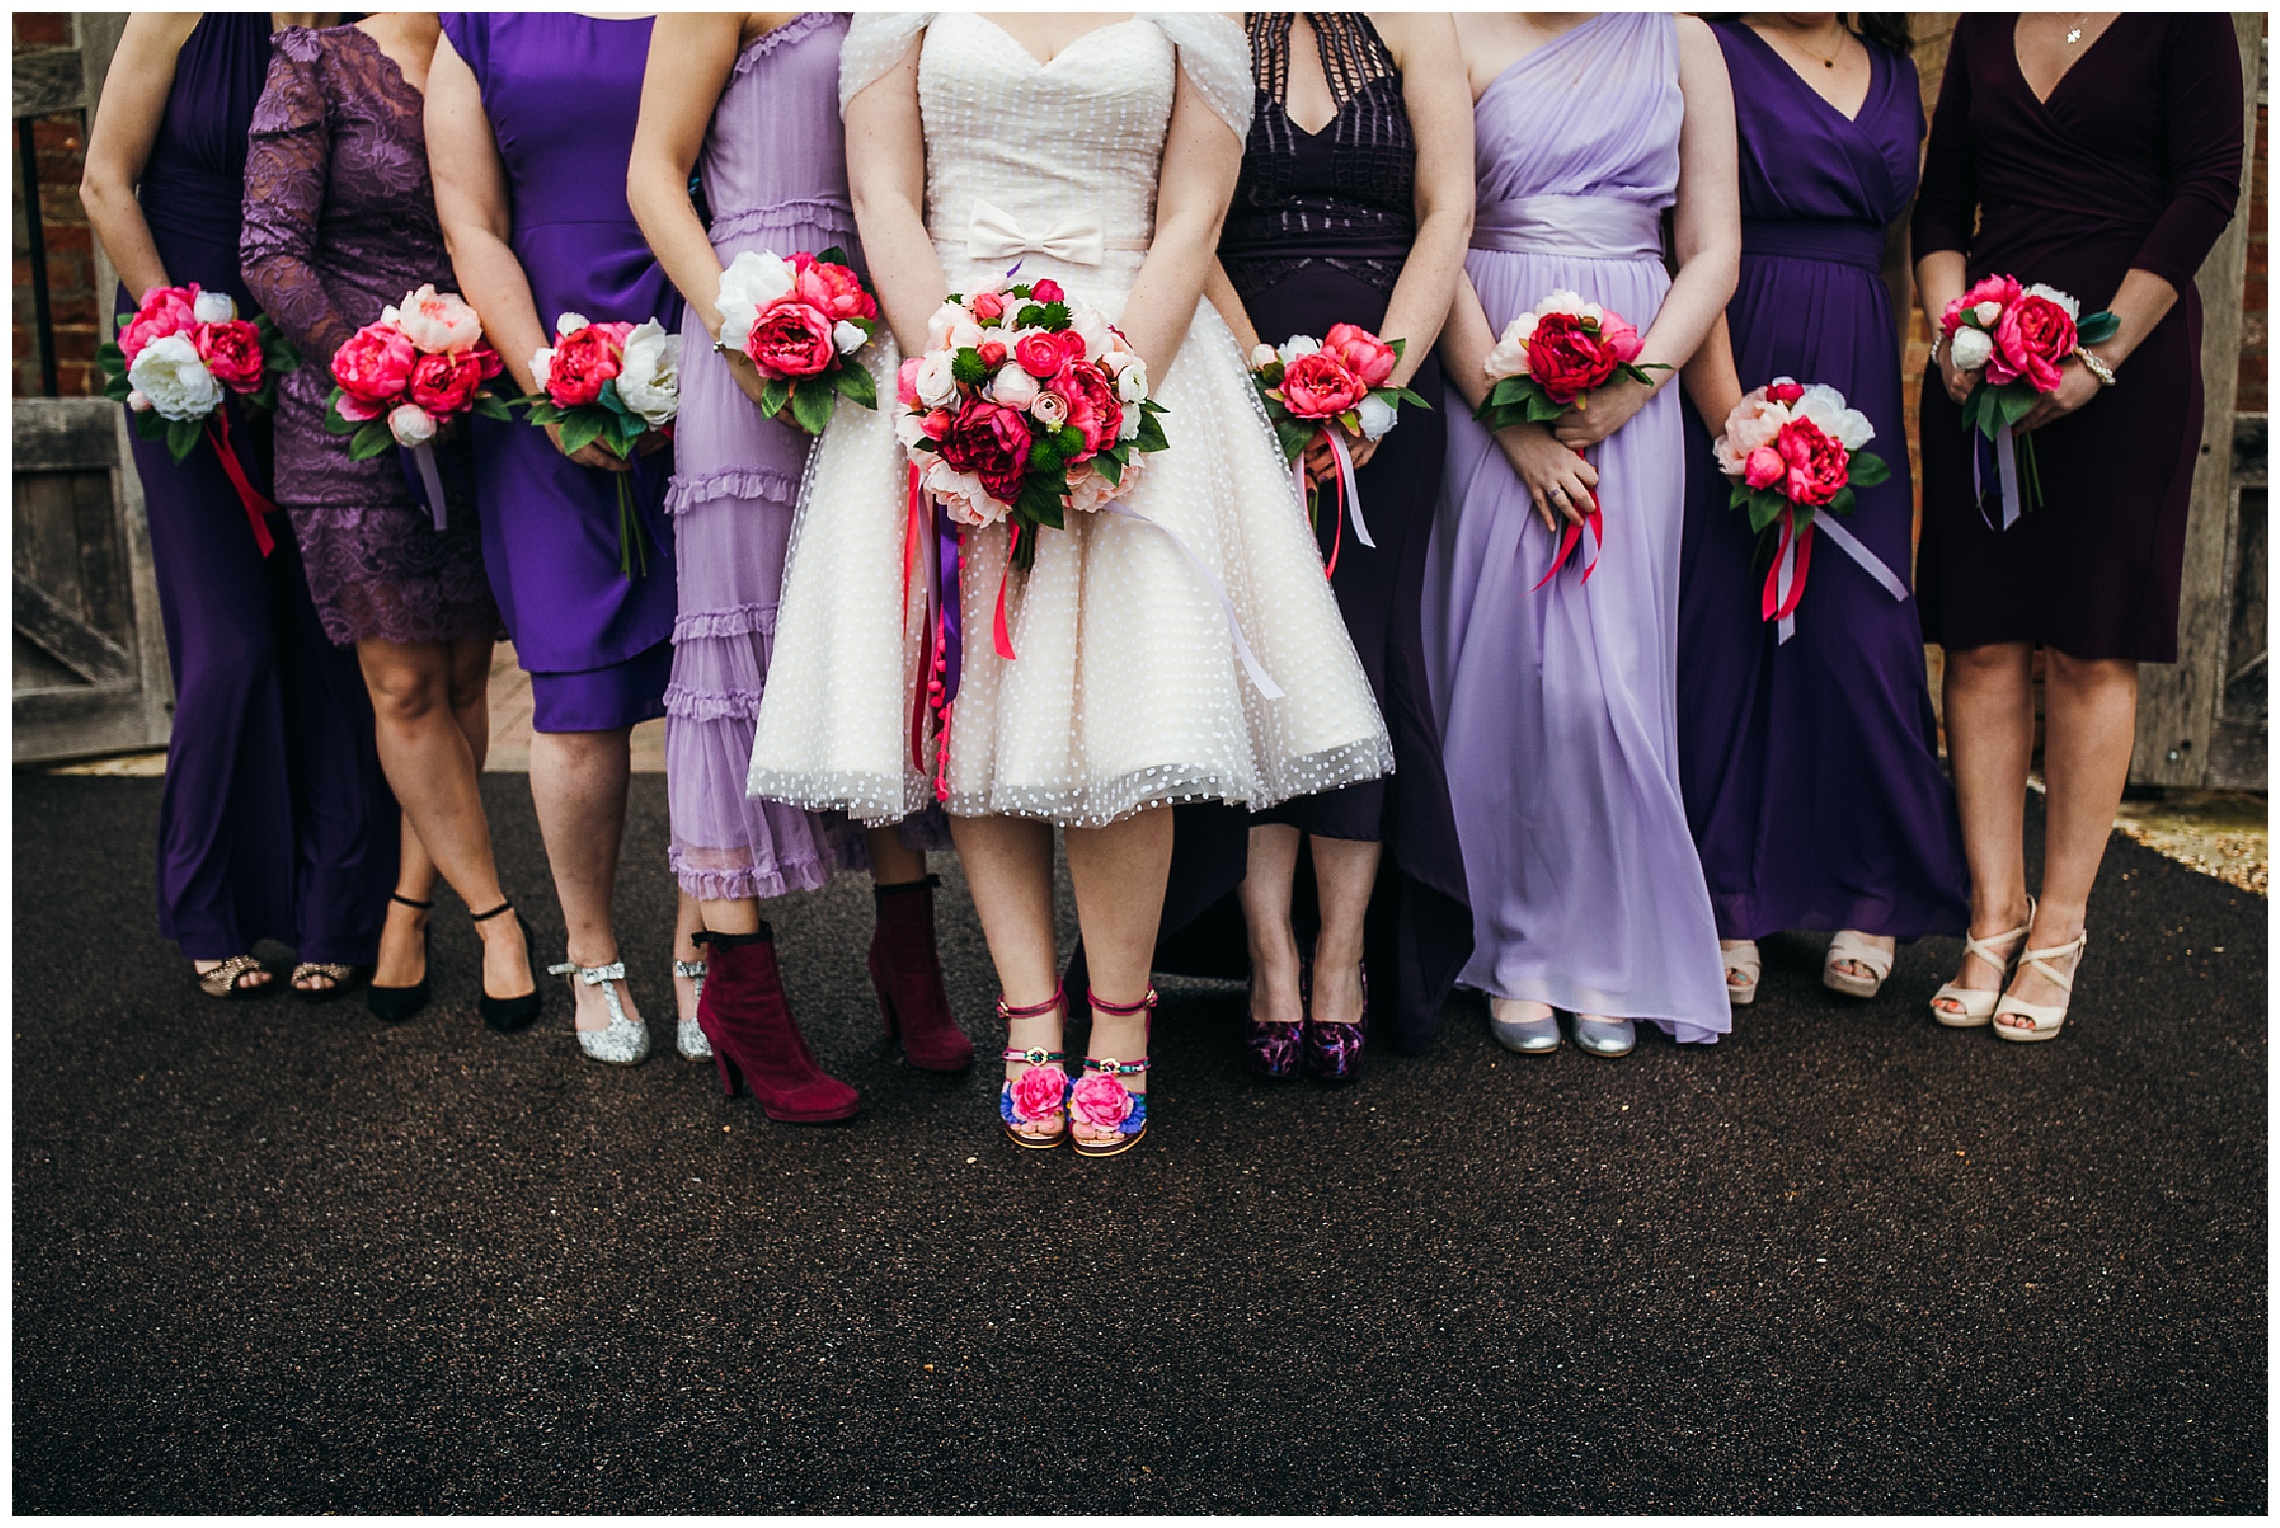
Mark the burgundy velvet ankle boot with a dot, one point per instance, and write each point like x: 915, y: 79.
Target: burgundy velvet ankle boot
x: 755, y: 1039
x: 907, y: 971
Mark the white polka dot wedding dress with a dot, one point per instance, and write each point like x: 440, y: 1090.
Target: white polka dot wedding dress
x: 1126, y: 691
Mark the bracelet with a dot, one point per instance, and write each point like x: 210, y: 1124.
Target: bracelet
x: 2097, y: 368
x: 1937, y: 341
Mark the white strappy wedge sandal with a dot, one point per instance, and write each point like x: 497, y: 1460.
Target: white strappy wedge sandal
x: 1862, y: 950
x: 1977, y: 1004
x: 2044, y: 1020
x: 1741, y: 959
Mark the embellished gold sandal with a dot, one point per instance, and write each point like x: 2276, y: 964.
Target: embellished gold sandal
x: 338, y: 978
x: 226, y: 982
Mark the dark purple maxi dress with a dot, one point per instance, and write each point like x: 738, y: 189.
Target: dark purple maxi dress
x: 275, y: 822
x: 1319, y: 228
x: 2134, y: 161
x: 562, y: 92
x: 1811, y: 768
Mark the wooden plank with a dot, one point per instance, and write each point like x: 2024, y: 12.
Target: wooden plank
x: 104, y: 601
x: 54, y: 725
x: 71, y: 641
x: 47, y: 547
x: 2178, y: 703
x: 66, y: 434
x: 49, y: 82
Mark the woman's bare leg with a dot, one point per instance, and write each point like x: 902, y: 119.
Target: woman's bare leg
x: 1269, y: 863
x: 1009, y: 868
x: 578, y: 781
x: 1345, y: 873
x: 1989, y: 704
x: 1118, y: 873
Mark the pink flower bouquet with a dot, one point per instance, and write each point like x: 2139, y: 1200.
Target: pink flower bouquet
x: 2013, y: 341
x: 801, y: 322
x: 1549, y: 359
x: 608, y: 385
x: 1308, y: 385
x: 403, y: 377
x: 178, y: 359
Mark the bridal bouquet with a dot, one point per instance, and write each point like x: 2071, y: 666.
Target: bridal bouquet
x: 180, y: 355
x: 801, y: 321
x: 1308, y: 385
x: 608, y: 385
x: 1024, y: 408
x: 2012, y: 340
x: 400, y: 379
x: 1795, y: 452
x: 1547, y: 362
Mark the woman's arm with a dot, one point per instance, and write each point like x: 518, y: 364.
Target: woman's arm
x: 1220, y: 291
x: 1434, y: 87
x: 1711, y: 378
x: 288, y: 164
x: 1947, y: 202
x: 886, y: 179
x: 1202, y: 157
x: 118, y: 145
x: 1559, y: 480
x: 1707, y: 228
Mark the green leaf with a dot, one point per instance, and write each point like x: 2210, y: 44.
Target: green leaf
x: 1868, y: 470
x: 181, y: 437
x: 1739, y: 495
x: 1049, y: 315
x: 338, y: 424
x: 110, y: 354
x: 1151, y: 436
x: 855, y: 385
x: 2017, y: 404
x: 1841, y: 502
x: 371, y: 438
x: 2097, y: 328
x: 487, y: 404
x: 1396, y: 347
x: 610, y: 400
x: 811, y: 404
x: 117, y: 387
x: 1040, y: 500
x: 1109, y: 467
x: 149, y: 426
x: 774, y: 394
x: 832, y: 256
x: 581, y: 429
x: 1543, y: 410
x: 1295, y: 437
x: 1765, y: 508
x: 1401, y: 395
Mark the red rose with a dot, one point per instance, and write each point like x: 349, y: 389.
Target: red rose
x: 1039, y: 354
x: 1364, y: 354
x: 1567, y: 358
x: 993, y: 354
x: 791, y: 340
x: 1072, y: 347
x: 832, y: 290
x: 232, y: 352
x: 1785, y: 393
x: 992, y: 442
x: 1318, y: 386
x: 582, y: 363
x: 372, y: 367
x: 1093, y: 407
x: 2031, y: 338
x: 1047, y: 290
x: 1817, y: 465
x: 446, y: 383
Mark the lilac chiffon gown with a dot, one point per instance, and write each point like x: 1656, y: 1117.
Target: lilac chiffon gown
x: 775, y: 177
x: 562, y: 92
x: 1811, y: 767
x: 1555, y: 704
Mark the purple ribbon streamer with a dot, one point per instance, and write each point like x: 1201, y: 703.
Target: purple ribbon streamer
x: 948, y: 564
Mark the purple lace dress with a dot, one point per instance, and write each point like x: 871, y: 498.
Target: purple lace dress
x: 339, y: 223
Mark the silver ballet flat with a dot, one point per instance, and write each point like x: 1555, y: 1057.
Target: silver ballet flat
x: 1605, y: 1037
x: 623, y: 1043
x: 1525, y: 1037
x: 691, y: 1040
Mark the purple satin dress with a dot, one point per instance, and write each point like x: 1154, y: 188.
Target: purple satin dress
x: 1558, y: 724
x: 275, y: 821
x: 775, y: 176
x: 339, y: 223
x: 1811, y: 768
x: 562, y: 92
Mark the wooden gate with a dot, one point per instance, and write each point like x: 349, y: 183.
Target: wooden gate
x: 90, y: 672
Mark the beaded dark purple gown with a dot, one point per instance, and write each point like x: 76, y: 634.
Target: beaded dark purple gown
x: 275, y: 822
x: 1811, y: 768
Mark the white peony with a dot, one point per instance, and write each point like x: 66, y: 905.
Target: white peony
x: 1128, y: 428
x: 961, y: 495
x: 1088, y: 490
x: 1376, y: 415
x: 736, y: 321
x: 2064, y: 300
x: 937, y: 384
x: 1014, y: 388
x: 569, y: 324
x: 178, y: 385
x: 411, y: 425
x: 435, y: 322
x: 1263, y: 355
x: 1509, y: 357
x: 649, y: 373
x: 756, y: 279
x: 214, y: 308
x: 1825, y: 406
x: 1730, y: 461
x: 1971, y: 348
x: 1571, y: 302
x: 1297, y: 345
x: 965, y: 335
x: 1987, y: 312
x: 847, y: 338
x: 1092, y: 325
x: 541, y: 367
x: 1132, y: 382
x: 945, y: 318
x: 910, y: 429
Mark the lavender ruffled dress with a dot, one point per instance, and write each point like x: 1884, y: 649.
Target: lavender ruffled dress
x: 775, y: 175
x: 1558, y: 724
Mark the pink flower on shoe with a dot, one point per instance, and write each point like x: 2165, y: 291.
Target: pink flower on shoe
x: 1037, y: 1092
x: 1100, y: 1101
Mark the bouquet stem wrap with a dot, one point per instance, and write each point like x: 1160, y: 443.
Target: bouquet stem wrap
x: 1349, y: 499
x: 258, y: 508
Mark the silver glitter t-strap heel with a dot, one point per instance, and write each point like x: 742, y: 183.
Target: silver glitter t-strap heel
x: 691, y: 1040
x: 623, y: 1043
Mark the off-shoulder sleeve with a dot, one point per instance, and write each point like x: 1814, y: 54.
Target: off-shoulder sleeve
x: 1216, y: 56
x: 2203, y: 136
x: 1947, y: 200
x: 876, y: 41
x: 288, y: 158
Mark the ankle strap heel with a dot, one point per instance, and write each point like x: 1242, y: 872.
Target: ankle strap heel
x: 508, y: 1014
x: 1106, y: 1117
x: 1032, y: 1108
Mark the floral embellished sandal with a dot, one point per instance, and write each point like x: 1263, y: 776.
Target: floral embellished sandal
x: 1032, y: 1107
x: 1105, y: 1116
x: 228, y: 982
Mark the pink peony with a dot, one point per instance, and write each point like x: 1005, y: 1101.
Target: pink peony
x: 1784, y: 392
x: 373, y: 367
x: 1999, y: 290
x: 1364, y: 354
x: 991, y: 442
x: 164, y: 311
x: 232, y: 352
x: 1093, y: 406
x: 1047, y: 290
x: 792, y: 340
x: 1318, y: 386
x: 438, y: 321
x: 1100, y: 1101
x: 1037, y: 1092
x: 1763, y: 467
x: 1815, y: 466
x: 832, y: 290
x: 582, y: 362
x: 446, y: 383
x: 988, y: 307
x: 962, y: 496
x: 1088, y: 490
x: 906, y: 382
x: 2032, y: 338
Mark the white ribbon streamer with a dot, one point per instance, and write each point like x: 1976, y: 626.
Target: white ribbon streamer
x: 1785, y: 576
x: 1853, y: 547
x: 424, y: 454
x: 1353, y: 494
x: 1261, y: 680
x: 2007, y: 473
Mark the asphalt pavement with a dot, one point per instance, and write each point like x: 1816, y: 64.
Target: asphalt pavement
x: 273, y: 1257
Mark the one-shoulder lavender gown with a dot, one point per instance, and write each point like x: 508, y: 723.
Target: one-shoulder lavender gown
x: 1556, y: 703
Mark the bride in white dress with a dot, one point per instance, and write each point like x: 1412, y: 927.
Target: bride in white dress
x: 1100, y: 152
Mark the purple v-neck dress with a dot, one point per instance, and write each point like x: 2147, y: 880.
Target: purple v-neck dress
x: 275, y: 821
x: 562, y: 92
x: 1555, y: 703
x: 1811, y: 767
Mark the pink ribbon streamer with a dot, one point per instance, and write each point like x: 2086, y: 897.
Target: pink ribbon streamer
x: 1796, y: 556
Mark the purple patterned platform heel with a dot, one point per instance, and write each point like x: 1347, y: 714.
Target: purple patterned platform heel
x: 1334, y: 1051
x: 1272, y: 1047
x: 1106, y: 1117
x: 1032, y: 1107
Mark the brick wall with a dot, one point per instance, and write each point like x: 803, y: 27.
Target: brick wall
x: 74, y: 306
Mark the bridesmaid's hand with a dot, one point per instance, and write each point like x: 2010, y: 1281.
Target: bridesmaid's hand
x: 1560, y: 481
x: 652, y: 442
x: 589, y: 454
x: 2076, y: 386
x: 1322, y: 465
x: 748, y: 378
x: 1959, y: 384
x: 1612, y: 407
